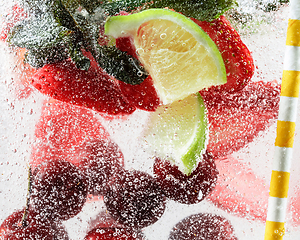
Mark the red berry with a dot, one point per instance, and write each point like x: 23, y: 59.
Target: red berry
x: 203, y: 226
x: 103, y: 226
x: 59, y: 190
x: 14, y: 15
x: 187, y: 189
x: 142, y: 96
x: 126, y: 44
x: 236, y: 56
x: 13, y: 228
x: 135, y: 200
x: 111, y: 233
x: 100, y: 161
x: 92, y: 89
x: 236, y: 119
x: 239, y: 190
x: 61, y: 130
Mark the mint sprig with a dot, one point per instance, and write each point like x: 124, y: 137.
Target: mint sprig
x: 50, y: 35
x: 120, y: 66
x: 56, y: 30
x: 203, y: 10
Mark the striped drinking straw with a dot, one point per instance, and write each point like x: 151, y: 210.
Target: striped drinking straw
x: 279, y: 184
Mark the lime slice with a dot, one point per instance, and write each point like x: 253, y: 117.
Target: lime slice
x: 178, y: 132
x: 180, y: 57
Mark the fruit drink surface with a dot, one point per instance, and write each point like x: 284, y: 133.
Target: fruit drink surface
x: 241, y: 137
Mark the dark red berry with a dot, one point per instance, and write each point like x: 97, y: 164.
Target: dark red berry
x: 111, y: 233
x: 126, y: 44
x: 135, y: 200
x: 59, y: 190
x: 142, y: 96
x: 203, y: 226
x: 103, y: 226
x: 187, y: 189
x: 59, y: 231
x: 14, y: 228
x: 100, y: 160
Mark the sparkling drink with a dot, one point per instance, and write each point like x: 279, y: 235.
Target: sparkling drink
x: 36, y: 128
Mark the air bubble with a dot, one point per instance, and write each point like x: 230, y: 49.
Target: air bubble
x: 139, y: 51
x: 163, y: 35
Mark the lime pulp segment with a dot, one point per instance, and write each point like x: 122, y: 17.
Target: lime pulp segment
x: 178, y: 132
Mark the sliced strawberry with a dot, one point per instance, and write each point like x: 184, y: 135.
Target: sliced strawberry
x: 236, y: 56
x: 126, y: 44
x: 239, y: 191
x: 236, y: 119
x: 92, y: 89
x: 61, y: 130
x: 142, y: 96
x: 14, y: 15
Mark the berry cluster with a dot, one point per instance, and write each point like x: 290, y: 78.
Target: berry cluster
x: 133, y: 199
x: 73, y: 157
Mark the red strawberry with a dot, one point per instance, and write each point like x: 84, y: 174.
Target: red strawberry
x: 235, y: 119
x: 126, y: 44
x: 236, y: 56
x: 14, y: 15
x: 144, y: 95
x: 62, y: 129
x: 240, y: 191
x: 92, y: 89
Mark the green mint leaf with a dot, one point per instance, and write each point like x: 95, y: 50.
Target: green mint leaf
x: 54, y: 33
x: 39, y: 57
x: 120, y: 65
x: 203, y: 10
x: 37, y: 33
x: 50, y: 35
x: 114, y: 7
x: 91, y: 5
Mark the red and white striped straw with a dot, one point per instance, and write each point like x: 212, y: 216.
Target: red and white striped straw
x: 285, y: 128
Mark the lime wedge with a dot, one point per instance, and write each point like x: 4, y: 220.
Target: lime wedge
x: 180, y: 57
x: 178, y: 132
